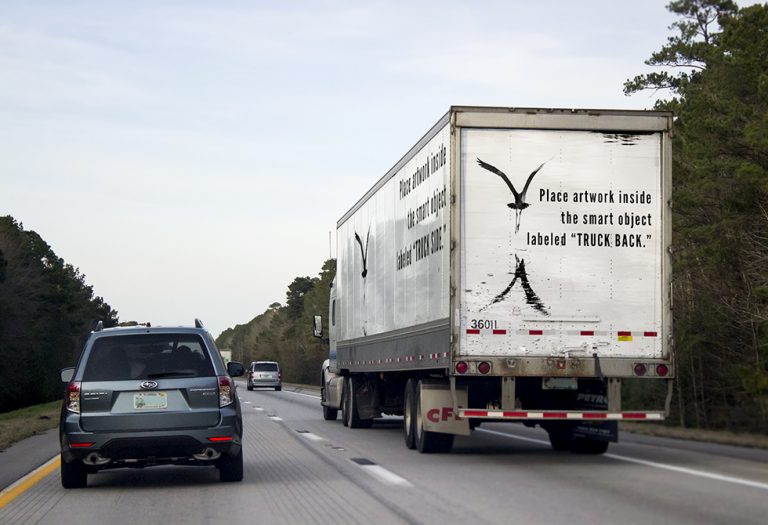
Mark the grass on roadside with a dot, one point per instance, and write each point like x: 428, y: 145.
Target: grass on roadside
x: 722, y: 437
x: 25, y: 422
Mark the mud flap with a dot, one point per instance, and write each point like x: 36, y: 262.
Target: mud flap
x: 594, y: 397
x: 365, y: 395
x: 602, y: 431
x: 437, y: 409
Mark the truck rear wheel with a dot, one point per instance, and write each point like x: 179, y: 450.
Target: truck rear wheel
x: 560, y: 440
x: 351, y: 414
x: 428, y: 442
x: 409, y: 409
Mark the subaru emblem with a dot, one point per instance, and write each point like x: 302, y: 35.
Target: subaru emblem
x: 149, y: 385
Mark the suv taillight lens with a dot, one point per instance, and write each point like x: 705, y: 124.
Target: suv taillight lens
x: 73, y: 397
x: 226, y: 391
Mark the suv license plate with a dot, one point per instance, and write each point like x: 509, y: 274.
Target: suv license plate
x: 150, y: 400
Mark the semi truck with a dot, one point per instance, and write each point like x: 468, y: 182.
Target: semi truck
x: 513, y: 265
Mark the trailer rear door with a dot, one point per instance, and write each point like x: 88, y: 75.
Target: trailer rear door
x: 561, y: 242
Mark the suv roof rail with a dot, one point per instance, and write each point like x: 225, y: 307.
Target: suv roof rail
x: 99, y: 326
x: 198, y: 323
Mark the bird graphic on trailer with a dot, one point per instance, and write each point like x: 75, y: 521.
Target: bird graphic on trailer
x: 364, y: 274
x: 364, y: 251
x: 519, y: 204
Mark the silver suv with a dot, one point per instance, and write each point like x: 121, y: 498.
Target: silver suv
x: 264, y: 374
x: 144, y: 396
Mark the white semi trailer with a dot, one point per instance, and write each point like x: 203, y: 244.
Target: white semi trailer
x: 512, y: 266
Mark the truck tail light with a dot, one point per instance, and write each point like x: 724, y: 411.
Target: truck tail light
x: 226, y: 395
x: 484, y: 367
x: 640, y: 369
x: 662, y: 370
x: 73, y: 397
x: 462, y: 367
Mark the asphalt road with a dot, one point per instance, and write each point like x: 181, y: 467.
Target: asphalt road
x: 302, y: 469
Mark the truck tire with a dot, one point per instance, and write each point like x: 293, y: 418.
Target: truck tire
x: 344, y: 407
x: 409, y: 409
x: 330, y: 414
x: 560, y: 440
x: 350, y: 408
x: 231, y: 467
x: 428, y: 442
x: 73, y: 475
x: 588, y: 446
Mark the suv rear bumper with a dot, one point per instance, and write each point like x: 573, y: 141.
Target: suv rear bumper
x: 257, y: 383
x: 150, y: 446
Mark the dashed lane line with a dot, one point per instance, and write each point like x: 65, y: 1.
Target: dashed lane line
x: 654, y: 464
x: 310, y: 436
x: 30, y: 480
x: 380, y: 473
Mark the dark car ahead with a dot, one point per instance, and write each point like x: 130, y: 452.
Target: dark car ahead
x: 144, y: 396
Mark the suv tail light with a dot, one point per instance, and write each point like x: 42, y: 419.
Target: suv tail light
x: 73, y: 397
x: 226, y: 393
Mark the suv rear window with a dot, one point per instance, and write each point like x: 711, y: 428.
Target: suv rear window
x: 264, y: 367
x: 147, y: 356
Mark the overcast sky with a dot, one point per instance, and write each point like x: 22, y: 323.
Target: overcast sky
x: 191, y: 157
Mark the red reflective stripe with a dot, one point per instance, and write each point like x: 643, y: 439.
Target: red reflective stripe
x: 475, y: 413
x: 634, y: 415
x: 471, y: 331
x: 499, y: 332
x: 80, y: 445
x: 549, y: 415
x: 515, y: 414
x: 650, y: 334
x: 587, y: 332
x: 595, y: 415
x: 625, y: 334
x: 535, y: 332
x: 220, y: 438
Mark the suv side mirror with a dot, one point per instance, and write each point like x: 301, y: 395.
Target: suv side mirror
x: 235, y: 369
x: 317, y: 326
x: 66, y: 374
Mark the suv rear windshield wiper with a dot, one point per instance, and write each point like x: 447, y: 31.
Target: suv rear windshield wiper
x: 171, y: 374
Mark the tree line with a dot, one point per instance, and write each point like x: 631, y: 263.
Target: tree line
x: 46, y: 313
x: 715, y: 69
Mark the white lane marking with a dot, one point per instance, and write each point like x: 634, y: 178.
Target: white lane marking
x: 247, y: 402
x: 300, y: 394
x: 311, y: 436
x: 521, y: 438
x: 275, y: 418
x: 654, y: 464
x: 259, y: 409
x: 385, y: 476
x: 692, y: 472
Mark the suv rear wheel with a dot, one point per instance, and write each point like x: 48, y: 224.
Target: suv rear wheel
x: 73, y: 475
x: 231, y: 467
